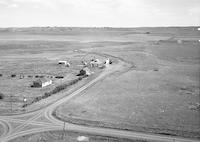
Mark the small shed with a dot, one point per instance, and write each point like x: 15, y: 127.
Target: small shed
x: 64, y: 63
x: 42, y: 82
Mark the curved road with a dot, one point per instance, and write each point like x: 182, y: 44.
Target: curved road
x: 43, y: 120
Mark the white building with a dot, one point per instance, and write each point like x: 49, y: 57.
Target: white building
x: 42, y: 82
x: 64, y: 63
x: 95, y: 63
x: 107, y: 62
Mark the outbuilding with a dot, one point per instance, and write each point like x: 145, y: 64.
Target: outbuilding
x: 108, y: 61
x: 42, y: 82
x: 64, y: 63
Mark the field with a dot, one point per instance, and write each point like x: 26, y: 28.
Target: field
x: 61, y: 136
x: 28, y: 61
x: 156, y: 91
x: 1, y: 130
x: 156, y: 96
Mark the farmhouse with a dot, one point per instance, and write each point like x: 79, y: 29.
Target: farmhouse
x: 42, y: 82
x: 95, y: 63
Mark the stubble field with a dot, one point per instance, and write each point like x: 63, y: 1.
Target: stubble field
x: 156, y: 92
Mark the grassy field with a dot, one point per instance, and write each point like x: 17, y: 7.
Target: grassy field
x: 1, y: 130
x: 31, y: 59
x: 159, y: 95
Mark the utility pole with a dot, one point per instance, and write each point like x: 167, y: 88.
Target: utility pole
x: 63, y: 131
x: 24, y: 102
x: 138, y: 83
x: 11, y: 102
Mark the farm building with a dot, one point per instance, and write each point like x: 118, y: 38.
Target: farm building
x: 64, y: 63
x: 42, y: 82
x: 108, y: 61
x: 85, y: 71
x: 95, y: 63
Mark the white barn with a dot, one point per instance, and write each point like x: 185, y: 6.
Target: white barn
x: 42, y: 82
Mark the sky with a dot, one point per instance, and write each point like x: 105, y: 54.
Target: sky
x: 99, y: 13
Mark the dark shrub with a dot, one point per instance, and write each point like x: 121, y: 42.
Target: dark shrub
x: 13, y: 75
x: 37, y: 99
x: 25, y: 105
x: 1, y: 75
x: 47, y: 94
x: 156, y: 70
x: 30, y: 76
x: 80, y: 78
x: 1, y: 96
x: 59, y: 77
x: 36, y: 76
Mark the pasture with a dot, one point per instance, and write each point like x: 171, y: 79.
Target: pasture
x: 156, y: 92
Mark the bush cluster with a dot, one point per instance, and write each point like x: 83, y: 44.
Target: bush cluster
x: 55, y: 90
x: 59, y: 77
x: 13, y: 75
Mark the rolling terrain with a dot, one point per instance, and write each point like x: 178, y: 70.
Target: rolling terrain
x: 154, y: 89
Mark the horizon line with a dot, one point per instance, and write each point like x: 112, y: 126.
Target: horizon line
x: 125, y: 27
